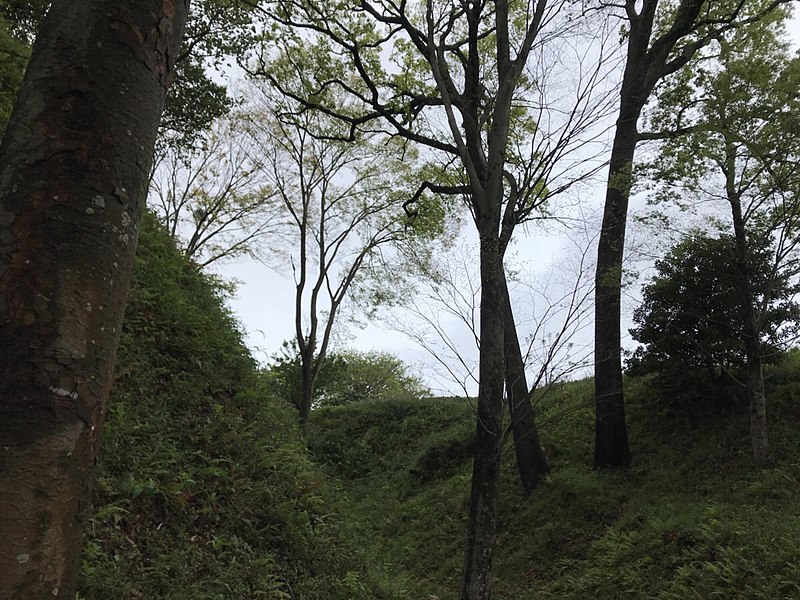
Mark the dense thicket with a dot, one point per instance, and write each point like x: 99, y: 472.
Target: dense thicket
x: 203, y: 489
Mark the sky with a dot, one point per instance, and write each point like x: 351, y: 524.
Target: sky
x: 264, y: 299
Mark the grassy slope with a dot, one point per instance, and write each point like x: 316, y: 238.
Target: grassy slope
x: 204, y: 490
x: 690, y: 519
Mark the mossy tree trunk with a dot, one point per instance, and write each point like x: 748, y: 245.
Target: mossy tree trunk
x: 74, y: 164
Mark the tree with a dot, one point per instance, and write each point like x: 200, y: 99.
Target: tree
x: 336, y: 209
x: 346, y: 377
x: 23, y: 17
x: 371, y: 376
x: 457, y: 88
x: 14, y: 55
x: 215, y: 31
x: 212, y: 197
x: 441, y: 316
x: 742, y: 109
x: 662, y: 38
x: 690, y: 319
x: 74, y: 163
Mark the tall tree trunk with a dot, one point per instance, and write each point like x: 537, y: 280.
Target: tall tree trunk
x: 307, y: 378
x: 611, y: 434
x: 751, y: 331
x: 756, y: 395
x: 646, y: 63
x: 531, y: 462
x: 758, y: 404
x: 74, y: 164
x: 482, y: 529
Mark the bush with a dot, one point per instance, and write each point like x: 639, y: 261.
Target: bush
x: 345, y: 377
x: 690, y: 326
x: 445, y: 454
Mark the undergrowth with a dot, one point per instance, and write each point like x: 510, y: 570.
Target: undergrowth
x: 204, y: 490
x: 691, y: 518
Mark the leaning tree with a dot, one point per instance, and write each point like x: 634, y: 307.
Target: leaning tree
x: 74, y: 164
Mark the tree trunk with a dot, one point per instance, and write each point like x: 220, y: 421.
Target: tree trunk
x: 758, y: 402
x: 531, y: 462
x: 482, y: 529
x: 751, y: 331
x: 306, y: 392
x: 74, y: 164
x: 647, y: 62
x: 611, y: 434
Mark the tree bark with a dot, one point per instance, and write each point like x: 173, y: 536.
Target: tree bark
x: 74, y: 163
x: 646, y: 63
x: 531, y: 462
x: 751, y: 330
x: 307, y: 380
x: 482, y: 529
x: 611, y: 434
x: 757, y: 398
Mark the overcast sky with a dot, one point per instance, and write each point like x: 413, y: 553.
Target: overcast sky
x: 264, y: 299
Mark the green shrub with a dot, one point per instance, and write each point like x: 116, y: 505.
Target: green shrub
x: 445, y: 454
x: 689, y: 324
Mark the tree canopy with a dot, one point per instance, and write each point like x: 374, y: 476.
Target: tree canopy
x: 690, y: 318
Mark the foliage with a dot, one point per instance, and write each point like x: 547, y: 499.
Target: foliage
x: 735, y: 105
x: 406, y: 503
x: 203, y: 490
x: 16, y: 35
x: 211, y: 197
x: 445, y: 454
x: 690, y: 318
x: 691, y: 518
x: 23, y: 17
x: 733, y: 110
x: 282, y: 377
x: 217, y: 32
x: 345, y: 377
x: 193, y: 104
x: 368, y: 376
x: 744, y: 101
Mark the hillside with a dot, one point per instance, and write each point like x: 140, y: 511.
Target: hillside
x: 204, y: 490
x: 690, y: 519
